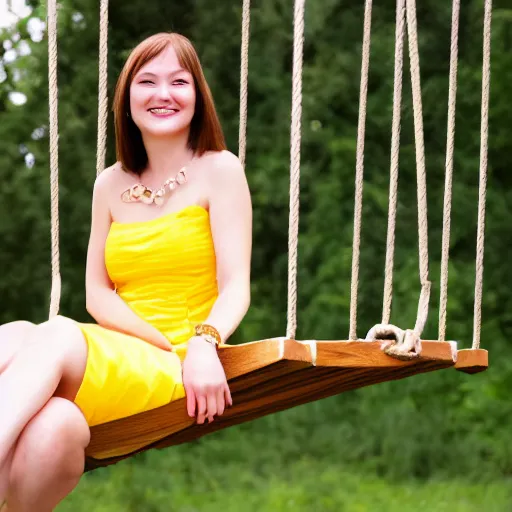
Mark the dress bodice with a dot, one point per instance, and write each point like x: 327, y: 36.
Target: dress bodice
x: 165, y: 269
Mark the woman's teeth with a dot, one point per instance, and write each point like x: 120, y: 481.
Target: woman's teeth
x: 162, y: 110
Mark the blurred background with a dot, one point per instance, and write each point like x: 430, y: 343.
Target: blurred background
x: 437, y: 442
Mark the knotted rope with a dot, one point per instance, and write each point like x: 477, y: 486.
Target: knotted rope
x: 395, y: 152
x: 407, y: 343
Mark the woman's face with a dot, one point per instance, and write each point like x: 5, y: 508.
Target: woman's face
x: 162, y: 96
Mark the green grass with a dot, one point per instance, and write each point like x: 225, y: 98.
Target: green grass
x: 157, y: 483
x: 340, y: 454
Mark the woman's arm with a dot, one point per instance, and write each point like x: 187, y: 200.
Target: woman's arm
x: 102, y: 302
x: 231, y: 225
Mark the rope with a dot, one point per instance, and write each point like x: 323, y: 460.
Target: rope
x: 395, y: 147
x: 406, y: 344
x: 450, y: 144
x: 358, y: 202
x: 293, y: 229
x: 54, y: 155
x: 244, y: 72
x: 102, y: 88
x: 412, y: 33
x: 400, y: 344
x: 484, y: 129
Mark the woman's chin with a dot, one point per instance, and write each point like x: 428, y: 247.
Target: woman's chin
x: 164, y: 131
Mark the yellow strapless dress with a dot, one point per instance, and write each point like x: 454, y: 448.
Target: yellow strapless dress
x: 164, y: 269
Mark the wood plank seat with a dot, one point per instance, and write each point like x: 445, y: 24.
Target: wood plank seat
x: 265, y: 377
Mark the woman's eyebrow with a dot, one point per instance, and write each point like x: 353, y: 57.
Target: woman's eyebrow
x: 175, y: 72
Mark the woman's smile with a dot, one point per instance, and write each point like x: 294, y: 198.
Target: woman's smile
x: 163, y: 112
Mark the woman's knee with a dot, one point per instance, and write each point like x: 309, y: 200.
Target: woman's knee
x: 13, y: 337
x: 61, y: 329
x: 63, y: 336
x: 62, y: 346
x: 55, y: 439
x: 58, y: 331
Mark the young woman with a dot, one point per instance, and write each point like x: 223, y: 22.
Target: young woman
x: 168, y: 269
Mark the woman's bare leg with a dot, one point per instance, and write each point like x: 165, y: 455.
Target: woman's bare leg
x: 49, y: 458
x: 13, y: 336
x: 5, y: 471
x: 54, y: 365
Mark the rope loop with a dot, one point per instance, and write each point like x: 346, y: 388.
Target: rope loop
x: 398, y: 343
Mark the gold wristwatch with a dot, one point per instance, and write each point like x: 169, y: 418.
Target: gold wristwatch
x: 208, y: 333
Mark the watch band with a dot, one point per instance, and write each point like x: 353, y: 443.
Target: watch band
x: 209, y: 333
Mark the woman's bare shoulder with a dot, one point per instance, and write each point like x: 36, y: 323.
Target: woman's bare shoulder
x: 109, y: 177
x: 224, y: 164
x: 227, y: 180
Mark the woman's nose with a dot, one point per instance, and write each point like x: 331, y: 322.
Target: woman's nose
x: 164, y: 92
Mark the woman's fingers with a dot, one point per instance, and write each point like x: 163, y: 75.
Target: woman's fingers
x: 227, y: 395
x: 201, y: 408
x: 191, y: 401
x: 221, y: 405
x: 211, y: 401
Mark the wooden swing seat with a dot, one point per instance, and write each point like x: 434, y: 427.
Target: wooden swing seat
x: 269, y: 376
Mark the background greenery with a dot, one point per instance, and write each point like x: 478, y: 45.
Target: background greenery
x: 435, y: 442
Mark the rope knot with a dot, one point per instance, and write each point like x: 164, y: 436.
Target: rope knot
x: 401, y: 344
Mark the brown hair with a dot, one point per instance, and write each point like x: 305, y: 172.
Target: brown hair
x: 205, y: 129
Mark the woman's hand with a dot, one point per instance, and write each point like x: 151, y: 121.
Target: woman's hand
x: 205, y: 382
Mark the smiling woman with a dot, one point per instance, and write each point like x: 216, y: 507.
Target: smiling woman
x: 162, y: 90
x: 167, y: 278
x: 187, y: 261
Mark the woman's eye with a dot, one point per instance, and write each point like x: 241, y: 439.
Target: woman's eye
x: 146, y: 82
x: 180, y: 81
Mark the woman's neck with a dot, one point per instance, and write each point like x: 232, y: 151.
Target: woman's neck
x: 166, y: 155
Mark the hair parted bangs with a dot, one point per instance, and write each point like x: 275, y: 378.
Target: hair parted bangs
x: 205, y: 130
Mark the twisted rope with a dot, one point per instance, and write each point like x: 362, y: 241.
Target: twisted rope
x: 484, y: 135
x: 358, y: 201
x: 244, y: 72
x: 102, y: 88
x: 406, y: 344
x: 54, y: 155
x: 450, y: 145
x: 423, y: 303
x: 293, y: 229
x: 395, y: 148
